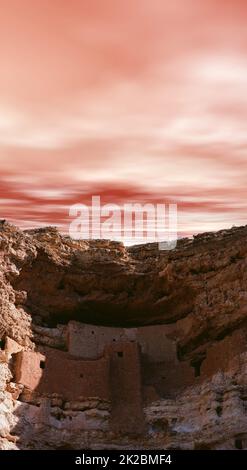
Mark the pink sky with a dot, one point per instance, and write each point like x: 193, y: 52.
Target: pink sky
x: 135, y: 100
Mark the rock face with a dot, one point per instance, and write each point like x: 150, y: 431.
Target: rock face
x: 94, y: 334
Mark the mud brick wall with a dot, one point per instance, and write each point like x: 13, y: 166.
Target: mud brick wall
x: 89, y: 341
x: 220, y: 354
x: 56, y: 372
x: 126, y: 393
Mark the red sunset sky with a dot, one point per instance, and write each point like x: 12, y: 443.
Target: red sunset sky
x: 133, y: 100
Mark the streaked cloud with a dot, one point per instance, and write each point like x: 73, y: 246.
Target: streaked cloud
x: 142, y: 100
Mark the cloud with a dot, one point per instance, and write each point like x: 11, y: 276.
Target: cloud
x: 125, y: 99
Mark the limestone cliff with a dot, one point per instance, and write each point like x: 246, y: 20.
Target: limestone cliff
x: 186, y: 310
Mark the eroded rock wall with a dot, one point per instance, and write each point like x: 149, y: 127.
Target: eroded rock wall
x: 192, y: 398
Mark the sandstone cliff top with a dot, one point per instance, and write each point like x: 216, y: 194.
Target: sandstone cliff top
x: 199, y: 288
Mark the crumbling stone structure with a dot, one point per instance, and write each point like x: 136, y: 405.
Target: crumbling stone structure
x: 127, y: 367
x: 121, y: 365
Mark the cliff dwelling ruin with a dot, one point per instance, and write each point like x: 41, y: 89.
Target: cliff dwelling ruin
x: 125, y: 367
x: 122, y: 366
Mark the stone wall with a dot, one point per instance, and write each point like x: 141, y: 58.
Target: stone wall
x: 167, y: 378
x: 154, y: 343
x: 126, y: 388
x: 221, y: 353
x: 56, y: 372
x: 89, y: 341
x: 28, y: 369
